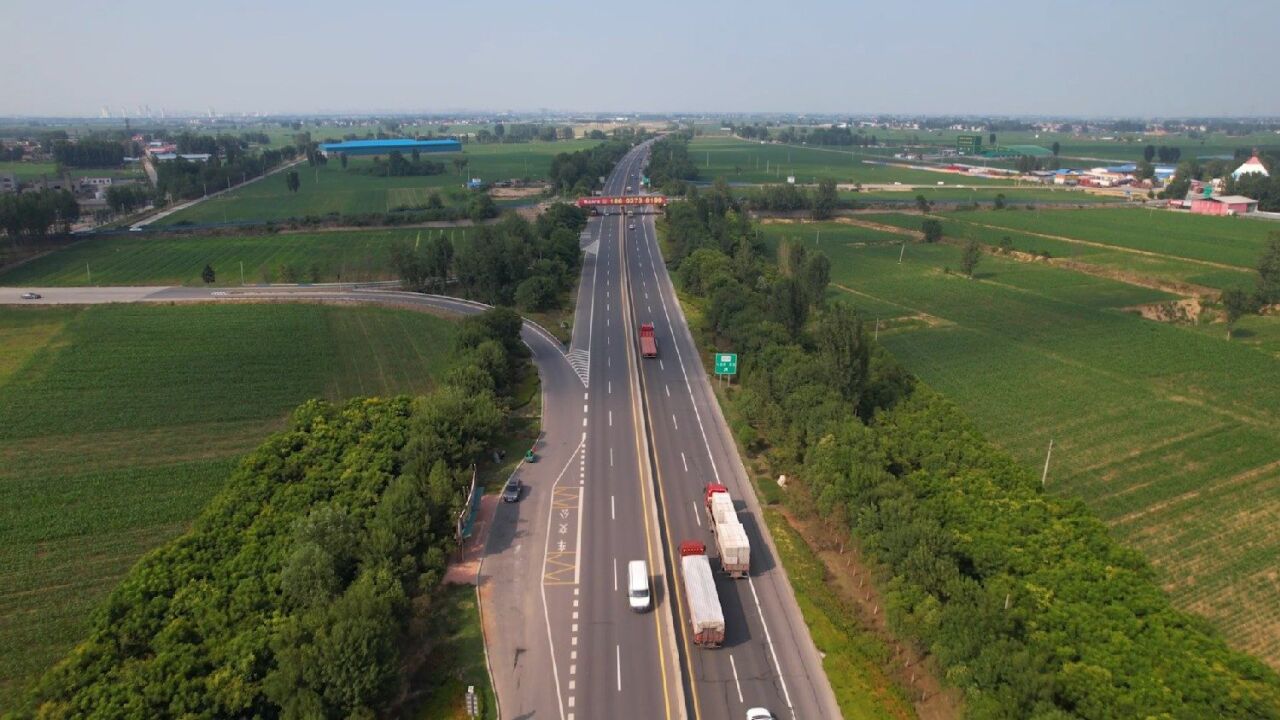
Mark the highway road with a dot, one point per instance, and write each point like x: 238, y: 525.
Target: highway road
x: 768, y: 658
x: 627, y: 447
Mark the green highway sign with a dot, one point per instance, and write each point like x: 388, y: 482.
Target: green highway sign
x: 726, y: 363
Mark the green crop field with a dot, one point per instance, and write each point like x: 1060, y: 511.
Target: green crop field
x: 1074, y: 149
x: 1013, y: 195
x: 750, y: 162
x: 331, y: 190
x: 1224, y: 240
x: 1171, y: 434
x: 1081, y: 246
x: 28, y: 171
x: 117, y: 423
x: 133, y: 260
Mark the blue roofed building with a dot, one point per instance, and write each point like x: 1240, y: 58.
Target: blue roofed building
x: 404, y: 146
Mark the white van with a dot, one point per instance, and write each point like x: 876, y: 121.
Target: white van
x: 638, y: 585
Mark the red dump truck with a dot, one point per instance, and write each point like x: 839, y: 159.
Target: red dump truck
x: 731, y: 537
x: 706, y: 618
x: 648, y: 343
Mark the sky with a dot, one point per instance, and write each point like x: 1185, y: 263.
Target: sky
x: 1082, y: 58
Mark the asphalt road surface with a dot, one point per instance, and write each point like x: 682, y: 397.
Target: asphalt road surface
x: 768, y: 658
x: 627, y: 446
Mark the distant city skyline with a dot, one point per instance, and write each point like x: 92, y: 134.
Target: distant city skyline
x: 991, y: 57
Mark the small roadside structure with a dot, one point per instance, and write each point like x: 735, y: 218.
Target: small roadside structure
x: 1224, y: 205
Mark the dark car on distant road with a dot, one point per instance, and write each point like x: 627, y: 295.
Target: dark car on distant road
x: 30, y: 296
x: 511, y: 491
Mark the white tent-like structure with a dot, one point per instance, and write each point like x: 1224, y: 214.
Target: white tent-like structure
x: 1252, y: 165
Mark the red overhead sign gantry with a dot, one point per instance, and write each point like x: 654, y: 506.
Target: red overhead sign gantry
x: 611, y: 200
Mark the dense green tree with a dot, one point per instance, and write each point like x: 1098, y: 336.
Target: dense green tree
x: 825, y: 199
x: 932, y: 230
x: 970, y: 254
x: 292, y: 181
x: 207, y: 274
x: 1057, y: 148
x: 1236, y: 303
x: 1269, y: 270
x: 922, y: 204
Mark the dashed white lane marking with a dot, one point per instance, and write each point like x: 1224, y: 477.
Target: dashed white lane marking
x: 685, y: 461
x: 674, y: 422
x: 661, y: 366
x: 668, y: 388
x: 619, y: 654
x: 584, y: 408
x: 610, y: 418
x: 734, y: 665
x: 696, y: 515
x: 610, y: 457
x: 649, y: 308
x: 610, y: 387
x: 615, y: 574
x: 584, y: 422
x: 613, y: 511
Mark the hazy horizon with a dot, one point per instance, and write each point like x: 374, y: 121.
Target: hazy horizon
x: 987, y: 58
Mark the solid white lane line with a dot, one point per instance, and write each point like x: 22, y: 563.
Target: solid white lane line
x: 769, y: 639
x: 696, y: 515
x: 734, y: 665
x: 619, y: 653
x: 683, y: 460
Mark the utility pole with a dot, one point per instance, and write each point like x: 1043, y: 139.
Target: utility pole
x: 1044, y: 477
x: 88, y: 275
x: 902, y: 252
x: 242, y: 272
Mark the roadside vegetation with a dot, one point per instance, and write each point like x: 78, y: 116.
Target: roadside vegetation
x: 119, y: 423
x: 294, y: 592
x: 1022, y: 598
x: 533, y: 266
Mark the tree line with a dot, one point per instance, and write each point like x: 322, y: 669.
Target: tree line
x: 670, y: 166
x: 513, y: 262
x: 180, y: 179
x: 1238, y: 302
x: 89, y: 153
x: 398, y: 166
x: 34, y: 214
x: 290, y: 596
x: 1024, y: 600
x: 578, y: 173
